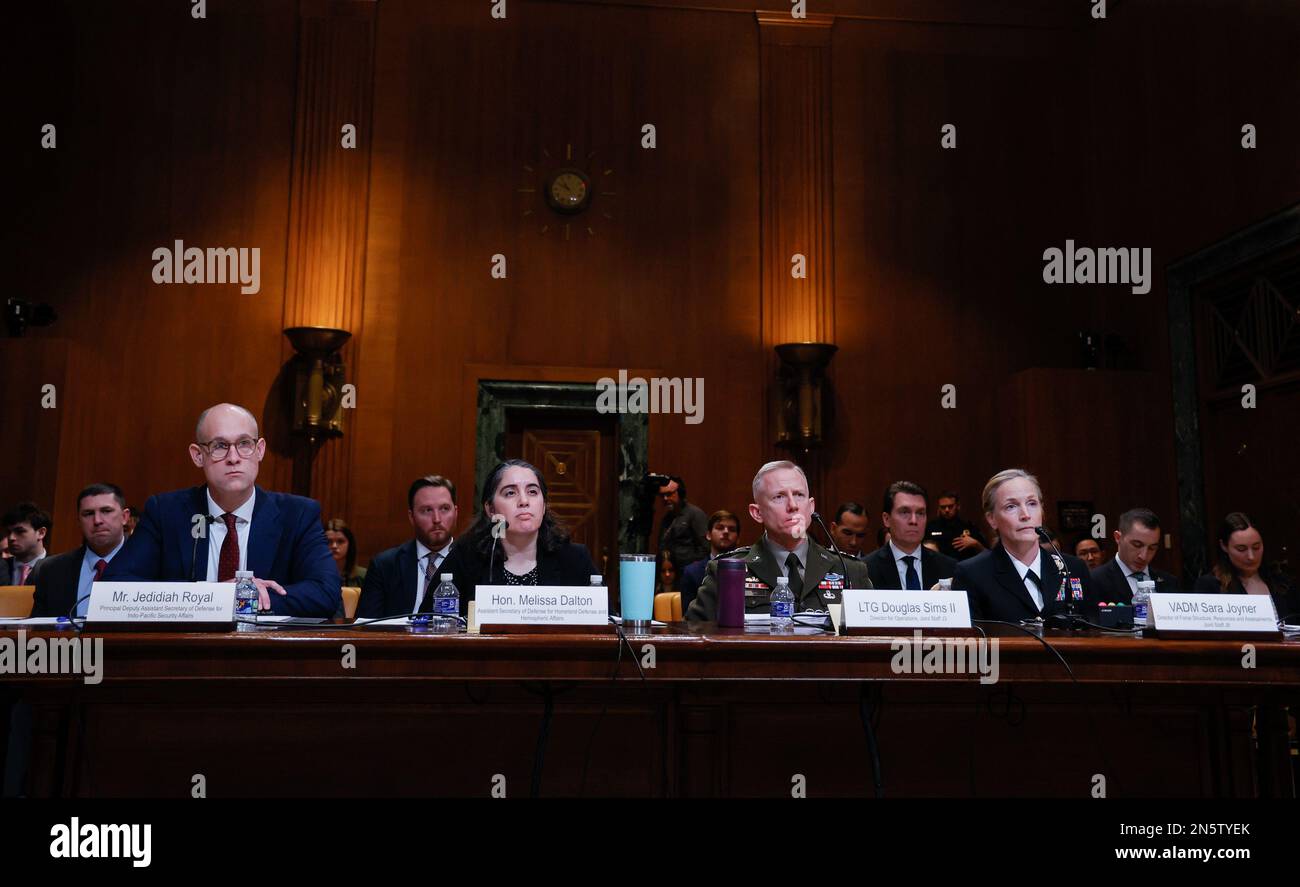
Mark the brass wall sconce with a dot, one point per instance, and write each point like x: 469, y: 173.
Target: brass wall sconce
x: 318, y: 381
x: 800, y: 408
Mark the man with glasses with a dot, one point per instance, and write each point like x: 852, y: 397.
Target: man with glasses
x: 207, y: 533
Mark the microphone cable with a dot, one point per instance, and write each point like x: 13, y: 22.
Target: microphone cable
x: 604, y: 708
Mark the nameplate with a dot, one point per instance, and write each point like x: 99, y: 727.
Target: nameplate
x: 185, y: 606
x: 508, y: 608
x: 1212, y: 615
x: 867, y: 610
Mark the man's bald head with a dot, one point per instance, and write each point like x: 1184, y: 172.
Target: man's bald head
x: 223, y: 411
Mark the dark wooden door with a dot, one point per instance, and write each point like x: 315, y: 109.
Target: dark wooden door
x: 575, y: 452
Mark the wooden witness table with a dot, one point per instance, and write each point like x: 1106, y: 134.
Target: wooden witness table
x: 721, y: 712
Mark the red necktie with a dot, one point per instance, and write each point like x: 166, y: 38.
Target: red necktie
x: 99, y: 569
x: 229, y: 561
x: 22, y: 573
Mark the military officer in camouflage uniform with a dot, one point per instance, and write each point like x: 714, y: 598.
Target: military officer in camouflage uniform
x: 784, y: 508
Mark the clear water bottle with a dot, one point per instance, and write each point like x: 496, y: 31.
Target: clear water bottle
x: 1142, y: 603
x: 245, y: 601
x: 782, y: 607
x: 446, y: 606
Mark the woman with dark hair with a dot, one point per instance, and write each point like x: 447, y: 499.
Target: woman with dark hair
x: 533, y: 548
x: 666, y: 573
x: 343, y: 546
x: 1240, y: 568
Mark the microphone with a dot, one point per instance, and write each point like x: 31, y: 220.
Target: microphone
x: 499, y: 527
x: 835, y: 548
x: 1059, y: 560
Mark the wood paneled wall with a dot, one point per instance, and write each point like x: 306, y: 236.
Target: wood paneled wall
x: 1115, y: 133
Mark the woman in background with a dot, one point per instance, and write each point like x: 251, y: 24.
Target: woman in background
x: 1240, y: 568
x: 343, y: 545
x: 667, y: 573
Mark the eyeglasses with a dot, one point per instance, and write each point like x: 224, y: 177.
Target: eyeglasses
x: 219, y: 449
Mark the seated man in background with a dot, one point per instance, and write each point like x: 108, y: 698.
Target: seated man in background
x: 1088, y: 550
x: 27, y: 529
x: 1137, y: 542
x: 903, y: 563
x: 724, y: 530
x: 849, y: 530
x: 784, y: 508
x: 208, y: 532
x: 64, y: 580
x: 400, y: 578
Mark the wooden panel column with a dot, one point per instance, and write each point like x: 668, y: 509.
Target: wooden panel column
x: 329, y: 195
x: 795, y: 171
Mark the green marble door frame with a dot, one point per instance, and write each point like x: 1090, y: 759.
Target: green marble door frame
x: 496, y: 396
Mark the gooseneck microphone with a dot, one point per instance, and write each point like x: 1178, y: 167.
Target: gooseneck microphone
x: 835, y: 548
x: 1064, y: 570
x: 499, y: 527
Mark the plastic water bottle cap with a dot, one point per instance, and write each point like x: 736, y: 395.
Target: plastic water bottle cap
x: 446, y: 577
x: 596, y: 579
x: 243, y: 574
x: 782, y: 580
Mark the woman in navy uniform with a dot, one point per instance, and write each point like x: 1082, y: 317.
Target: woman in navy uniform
x: 1016, y: 579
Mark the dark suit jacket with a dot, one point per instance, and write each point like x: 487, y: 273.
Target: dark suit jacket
x: 883, y: 573
x: 571, y: 565
x: 760, y: 565
x: 691, y: 579
x: 1285, y: 594
x: 996, y: 591
x: 286, y: 543
x: 389, y: 589
x: 56, y: 583
x: 1110, y: 586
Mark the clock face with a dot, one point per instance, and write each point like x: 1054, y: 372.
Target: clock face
x: 568, y: 191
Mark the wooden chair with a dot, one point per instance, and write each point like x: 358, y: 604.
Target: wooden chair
x: 668, y: 606
x: 351, y: 595
x: 16, y: 600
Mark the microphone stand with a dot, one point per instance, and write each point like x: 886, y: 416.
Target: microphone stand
x: 1070, y: 616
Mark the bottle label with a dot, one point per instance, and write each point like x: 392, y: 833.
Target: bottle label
x: 446, y: 606
x: 1139, y: 612
x: 246, y: 606
x: 782, y: 609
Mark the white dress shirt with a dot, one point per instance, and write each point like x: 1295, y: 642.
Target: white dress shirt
x: 1128, y: 574
x: 901, y: 564
x: 422, y: 568
x: 1023, y: 569
x: 87, y: 577
x: 217, y: 534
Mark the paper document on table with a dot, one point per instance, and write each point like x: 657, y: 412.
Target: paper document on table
x: 36, y: 622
